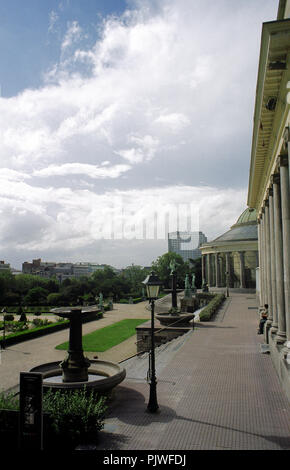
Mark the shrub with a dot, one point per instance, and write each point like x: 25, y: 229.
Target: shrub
x: 8, y: 317
x: 207, y: 313
x: 8, y: 401
x: 16, y: 326
x: 76, y: 413
x: 40, y: 322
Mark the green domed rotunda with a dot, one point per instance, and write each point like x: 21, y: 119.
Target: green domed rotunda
x: 232, y: 258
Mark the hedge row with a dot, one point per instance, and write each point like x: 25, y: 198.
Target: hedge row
x: 25, y: 335
x: 207, y: 313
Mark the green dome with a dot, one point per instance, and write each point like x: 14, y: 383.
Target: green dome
x: 249, y: 215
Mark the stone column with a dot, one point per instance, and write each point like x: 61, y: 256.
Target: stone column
x: 217, y: 270
x: 242, y: 270
x: 228, y: 267
x: 208, y: 270
x: 272, y: 257
x: 260, y: 260
x: 285, y: 208
x: 278, y: 322
x: 268, y: 269
x: 203, y: 257
x: 263, y: 252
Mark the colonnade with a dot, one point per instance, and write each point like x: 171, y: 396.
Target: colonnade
x: 217, y: 273
x: 274, y: 253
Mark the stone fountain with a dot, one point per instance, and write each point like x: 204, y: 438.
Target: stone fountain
x: 76, y: 370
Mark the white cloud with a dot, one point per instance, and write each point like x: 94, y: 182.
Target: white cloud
x: 73, y: 34
x: 92, y: 171
x: 163, y: 95
x: 174, y: 121
x: 53, y: 18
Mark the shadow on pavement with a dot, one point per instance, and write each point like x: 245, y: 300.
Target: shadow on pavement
x: 130, y: 408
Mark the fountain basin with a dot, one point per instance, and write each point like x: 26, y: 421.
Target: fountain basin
x: 102, y: 376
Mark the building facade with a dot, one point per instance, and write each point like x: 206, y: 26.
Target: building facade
x: 186, y: 244
x: 61, y: 271
x: 268, y: 190
x: 4, y: 266
x: 231, y: 259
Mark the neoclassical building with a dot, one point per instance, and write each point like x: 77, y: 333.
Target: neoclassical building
x: 232, y: 258
x: 269, y: 191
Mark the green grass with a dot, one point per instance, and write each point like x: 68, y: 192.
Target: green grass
x: 109, y: 336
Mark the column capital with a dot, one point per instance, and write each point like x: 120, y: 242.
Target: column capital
x: 270, y: 191
x: 286, y: 139
x: 275, y: 178
x: 283, y: 160
x: 267, y: 203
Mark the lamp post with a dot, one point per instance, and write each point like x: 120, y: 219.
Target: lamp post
x: 152, y: 283
x: 227, y: 281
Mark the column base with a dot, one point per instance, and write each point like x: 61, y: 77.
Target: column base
x: 267, y: 327
x: 280, y: 337
x: 286, y: 352
x: 274, y: 329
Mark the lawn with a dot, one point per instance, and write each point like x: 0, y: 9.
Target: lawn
x: 109, y: 336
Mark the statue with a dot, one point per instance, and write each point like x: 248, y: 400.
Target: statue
x: 204, y: 286
x: 101, y: 300
x: 187, y: 290
x: 193, y: 283
x: 172, y: 266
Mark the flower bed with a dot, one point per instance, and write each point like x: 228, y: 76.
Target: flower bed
x: 43, y: 329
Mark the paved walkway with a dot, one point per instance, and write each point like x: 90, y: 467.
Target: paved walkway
x: 217, y: 392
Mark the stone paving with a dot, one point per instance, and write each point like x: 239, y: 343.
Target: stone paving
x: 217, y: 391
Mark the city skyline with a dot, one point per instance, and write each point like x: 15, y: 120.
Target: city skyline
x: 139, y: 106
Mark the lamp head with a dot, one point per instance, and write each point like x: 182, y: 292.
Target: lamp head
x: 152, y: 283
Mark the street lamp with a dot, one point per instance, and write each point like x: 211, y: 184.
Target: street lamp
x: 227, y: 281
x: 152, y: 283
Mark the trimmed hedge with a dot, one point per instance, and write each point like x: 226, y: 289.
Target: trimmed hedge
x: 20, y: 336
x: 207, y: 313
x: 25, y: 335
x: 135, y: 301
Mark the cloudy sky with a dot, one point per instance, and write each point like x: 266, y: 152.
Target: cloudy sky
x: 121, y: 120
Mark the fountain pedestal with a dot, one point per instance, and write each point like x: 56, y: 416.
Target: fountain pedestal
x: 76, y: 371
x: 174, y: 291
x: 75, y: 365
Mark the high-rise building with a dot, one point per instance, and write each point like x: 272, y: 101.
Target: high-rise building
x: 186, y: 244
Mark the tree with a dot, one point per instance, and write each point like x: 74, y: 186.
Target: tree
x: 36, y: 296
x: 195, y: 267
x: 134, y: 275
x: 162, y: 268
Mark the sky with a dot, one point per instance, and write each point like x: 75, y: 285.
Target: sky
x: 121, y: 121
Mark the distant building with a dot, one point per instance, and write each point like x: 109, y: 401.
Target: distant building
x: 61, y: 271
x: 4, y: 266
x: 235, y: 253
x: 186, y: 244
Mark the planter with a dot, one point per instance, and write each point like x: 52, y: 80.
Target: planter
x: 181, y: 319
